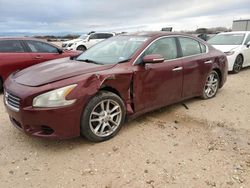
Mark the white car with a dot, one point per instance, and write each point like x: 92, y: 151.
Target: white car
x: 236, y: 45
x: 84, y: 42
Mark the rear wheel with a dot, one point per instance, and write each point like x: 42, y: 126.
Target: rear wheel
x: 211, y: 86
x: 1, y: 84
x: 238, y: 64
x: 81, y: 48
x: 103, y: 117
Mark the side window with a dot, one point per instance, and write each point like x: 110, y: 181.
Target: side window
x: 100, y: 36
x: 189, y: 46
x: 41, y: 47
x: 248, y: 39
x: 107, y: 35
x: 165, y: 47
x: 103, y: 35
x: 203, y: 48
x: 11, y: 46
x: 93, y: 36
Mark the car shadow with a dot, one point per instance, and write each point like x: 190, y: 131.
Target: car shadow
x: 81, y: 142
x: 242, y: 70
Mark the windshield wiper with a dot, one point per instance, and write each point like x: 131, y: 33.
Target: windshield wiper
x: 123, y: 61
x: 90, y: 61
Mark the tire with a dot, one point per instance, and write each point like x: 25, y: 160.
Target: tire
x: 211, y: 86
x: 1, y: 84
x: 81, y: 48
x: 238, y: 64
x: 100, y: 121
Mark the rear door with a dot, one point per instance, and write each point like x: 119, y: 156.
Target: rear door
x: 196, y: 65
x: 156, y: 85
x: 13, y: 57
x: 93, y: 39
x: 42, y: 51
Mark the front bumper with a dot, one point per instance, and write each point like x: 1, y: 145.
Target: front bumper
x: 231, y: 60
x: 57, y: 123
x: 47, y: 123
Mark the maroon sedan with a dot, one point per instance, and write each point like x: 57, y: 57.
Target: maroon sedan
x: 117, y: 79
x: 20, y: 53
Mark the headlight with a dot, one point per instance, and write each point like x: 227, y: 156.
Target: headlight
x: 70, y: 44
x: 55, y: 98
x: 229, y: 53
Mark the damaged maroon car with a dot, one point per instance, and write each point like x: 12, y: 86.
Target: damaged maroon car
x: 117, y: 79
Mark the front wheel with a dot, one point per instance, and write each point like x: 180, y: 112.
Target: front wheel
x: 211, y: 86
x: 81, y: 48
x: 238, y: 64
x: 103, y: 117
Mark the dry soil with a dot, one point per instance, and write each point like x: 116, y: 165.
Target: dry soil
x: 206, y: 145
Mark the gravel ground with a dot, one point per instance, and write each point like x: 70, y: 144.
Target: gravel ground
x: 206, y: 145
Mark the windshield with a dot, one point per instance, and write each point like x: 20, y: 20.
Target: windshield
x: 83, y: 36
x: 113, y: 50
x: 227, y: 39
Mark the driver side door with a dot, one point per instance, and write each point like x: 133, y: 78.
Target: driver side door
x: 160, y: 84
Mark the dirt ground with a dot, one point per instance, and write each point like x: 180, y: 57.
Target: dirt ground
x: 206, y: 145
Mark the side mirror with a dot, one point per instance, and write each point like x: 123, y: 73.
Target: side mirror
x: 153, y: 58
x: 248, y: 44
x: 60, y: 51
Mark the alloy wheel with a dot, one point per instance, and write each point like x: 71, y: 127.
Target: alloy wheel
x: 105, y: 118
x: 238, y: 64
x: 212, y: 84
x: 81, y: 48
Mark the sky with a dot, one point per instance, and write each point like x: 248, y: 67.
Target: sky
x: 76, y: 16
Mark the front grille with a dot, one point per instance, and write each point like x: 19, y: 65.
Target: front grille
x: 12, y: 101
x: 64, y: 45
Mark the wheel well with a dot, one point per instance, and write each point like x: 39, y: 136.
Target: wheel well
x: 110, y: 89
x: 82, y: 46
x: 242, y: 57
x: 219, y: 73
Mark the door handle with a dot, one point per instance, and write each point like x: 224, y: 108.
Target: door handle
x: 38, y: 57
x: 177, y: 69
x: 208, y: 62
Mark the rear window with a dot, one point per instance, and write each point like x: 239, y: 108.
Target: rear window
x: 191, y: 47
x: 13, y: 46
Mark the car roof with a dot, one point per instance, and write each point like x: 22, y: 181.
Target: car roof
x: 236, y: 32
x: 156, y: 34
x: 21, y: 38
x: 28, y: 38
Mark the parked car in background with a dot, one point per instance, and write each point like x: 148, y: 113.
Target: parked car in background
x: 84, y: 42
x: 205, y: 36
x: 121, y: 77
x: 236, y: 45
x: 19, y: 53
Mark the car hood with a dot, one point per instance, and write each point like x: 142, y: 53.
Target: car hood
x: 55, y: 70
x: 226, y: 48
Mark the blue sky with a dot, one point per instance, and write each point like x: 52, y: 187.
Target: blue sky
x: 76, y: 16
